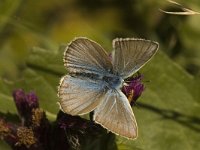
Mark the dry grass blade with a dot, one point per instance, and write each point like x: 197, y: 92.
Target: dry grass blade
x: 185, y: 11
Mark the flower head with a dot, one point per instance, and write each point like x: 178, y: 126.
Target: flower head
x: 32, y: 100
x: 20, y: 101
x: 67, y: 121
x: 76, y: 129
x: 133, y: 88
x: 4, y: 129
x: 8, y: 132
x: 25, y: 137
x: 25, y: 103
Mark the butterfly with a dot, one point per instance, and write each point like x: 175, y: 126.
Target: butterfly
x: 94, y: 81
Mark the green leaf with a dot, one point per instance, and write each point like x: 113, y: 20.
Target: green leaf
x: 6, y: 100
x: 7, y: 9
x: 4, y: 146
x: 168, y: 111
x: 47, y: 95
x: 48, y: 64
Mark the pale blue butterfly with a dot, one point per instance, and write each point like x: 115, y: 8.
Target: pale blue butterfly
x: 94, y: 82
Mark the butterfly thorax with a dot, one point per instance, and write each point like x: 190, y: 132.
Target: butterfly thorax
x: 114, y: 82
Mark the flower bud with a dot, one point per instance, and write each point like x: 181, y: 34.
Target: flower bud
x: 133, y: 88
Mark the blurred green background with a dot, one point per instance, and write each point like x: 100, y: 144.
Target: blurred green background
x: 34, y: 33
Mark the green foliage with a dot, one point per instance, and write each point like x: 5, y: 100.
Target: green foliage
x: 168, y: 111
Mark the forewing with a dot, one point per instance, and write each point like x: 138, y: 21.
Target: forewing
x: 84, y: 55
x: 79, y: 95
x: 115, y: 114
x: 131, y: 54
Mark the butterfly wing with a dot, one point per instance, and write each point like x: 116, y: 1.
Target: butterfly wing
x: 84, y: 55
x: 131, y: 54
x: 115, y: 114
x: 79, y: 95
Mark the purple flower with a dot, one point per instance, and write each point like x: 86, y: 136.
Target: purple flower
x: 18, y: 137
x: 25, y: 103
x: 32, y: 100
x: 133, y: 88
x: 8, y: 132
x: 36, y: 132
x: 67, y: 121
x: 20, y: 101
x: 35, y: 129
x: 74, y: 129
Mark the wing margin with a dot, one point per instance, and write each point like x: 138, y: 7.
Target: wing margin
x: 130, y: 54
x: 116, y: 115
